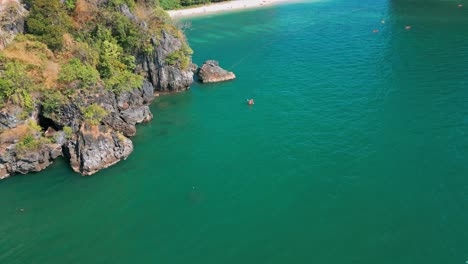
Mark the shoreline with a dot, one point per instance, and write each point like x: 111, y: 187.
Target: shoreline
x: 234, y: 5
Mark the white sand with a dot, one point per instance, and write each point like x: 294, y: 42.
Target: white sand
x: 224, y: 7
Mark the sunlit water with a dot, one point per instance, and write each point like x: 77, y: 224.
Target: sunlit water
x: 355, y: 151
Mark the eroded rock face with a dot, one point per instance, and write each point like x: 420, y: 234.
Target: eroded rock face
x: 116, y: 122
x: 125, y: 110
x: 9, y: 117
x: 131, y: 108
x: 12, y: 14
x: 13, y: 162
x: 89, y: 148
x: 96, y: 148
x: 137, y: 115
x: 125, y: 10
x: 210, y: 72
x: 165, y: 77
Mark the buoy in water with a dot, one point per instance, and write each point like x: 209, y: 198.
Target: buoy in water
x: 375, y: 31
x: 460, y: 5
x: 383, y: 21
x: 250, y: 102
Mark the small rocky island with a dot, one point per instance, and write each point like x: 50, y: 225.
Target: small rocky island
x: 211, y: 72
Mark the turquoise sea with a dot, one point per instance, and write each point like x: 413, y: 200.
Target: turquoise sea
x: 356, y: 150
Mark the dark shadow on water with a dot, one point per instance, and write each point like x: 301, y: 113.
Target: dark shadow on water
x: 163, y: 132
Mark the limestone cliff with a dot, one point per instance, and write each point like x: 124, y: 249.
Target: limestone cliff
x: 163, y: 76
x: 31, y: 139
x: 96, y: 148
x: 12, y: 15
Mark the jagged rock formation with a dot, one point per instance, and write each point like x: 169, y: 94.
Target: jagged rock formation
x: 96, y: 148
x: 12, y: 15
x: 210, y: 72
x: 14, y: 161
x: 91, y: 147
x: 163, y: 76
x: 9, y: 117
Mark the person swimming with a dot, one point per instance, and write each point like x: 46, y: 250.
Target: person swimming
x: 250, y: 101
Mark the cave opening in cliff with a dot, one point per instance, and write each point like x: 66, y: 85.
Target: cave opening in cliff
x: 46, y: 123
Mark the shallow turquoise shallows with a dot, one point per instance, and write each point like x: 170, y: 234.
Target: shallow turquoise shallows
x: 356, y: 150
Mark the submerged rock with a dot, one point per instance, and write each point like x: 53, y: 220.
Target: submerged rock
x: 210, y: 72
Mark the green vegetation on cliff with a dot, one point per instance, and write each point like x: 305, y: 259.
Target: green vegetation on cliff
x: 180, y: 57
x: 80, y: 77
x: 75, y: 70
x: 30, y: 139
x: 174, y: 4
x: 81, y: 45
x: 15, y: 85
x: 94, y: 114
x: 48, y: 20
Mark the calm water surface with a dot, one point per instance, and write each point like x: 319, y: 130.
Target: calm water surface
x: 356, y: 150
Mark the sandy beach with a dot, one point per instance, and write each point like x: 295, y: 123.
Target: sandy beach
x: 224, y: 7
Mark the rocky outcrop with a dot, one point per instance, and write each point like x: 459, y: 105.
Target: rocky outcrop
x: 12, y: 14
x: 125, y: 10
x: 13, y: 161
x: 210, y: 72
x: 10, y: 117
x: 96, y: 148
x: 163, y: 76
x: 130, y: 108
x: 37, y: 152
x: 125, y: 110
x: 134, y: 105
x: 66, y: 131
x: 89, y: 148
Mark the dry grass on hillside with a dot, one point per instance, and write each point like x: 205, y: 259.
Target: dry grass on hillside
x: 5, y: 3
x: 29, y: 52
x: 142, y: 12
x: 84, y: 13
x: 10, y: 135
x: 41, y: 62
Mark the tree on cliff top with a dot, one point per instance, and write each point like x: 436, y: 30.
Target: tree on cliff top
x: 174, y: 4
x: 48, y: 20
